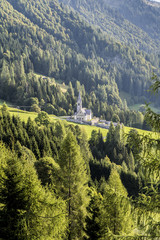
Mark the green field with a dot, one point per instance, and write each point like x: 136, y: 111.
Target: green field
x: 136, y: 107
x: 24, y: 115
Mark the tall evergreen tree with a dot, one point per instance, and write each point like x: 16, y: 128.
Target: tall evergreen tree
x: 27, y: 210
x: 116, y: 216
x: 74, y: 185
x: 94, y: 228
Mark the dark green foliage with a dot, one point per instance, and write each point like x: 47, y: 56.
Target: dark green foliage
x: 31, y: 205
x: 126, y: 21
x: 14, y: 132
x: 93, y: 220
x: 27, y: 211
x: 131, y: 183
x: 121, y: 152
x: 100, y: 169
x: 149, y: 201
x: 96, y: 144
x: 34, y: 209
x: 134, y: 142
x: 47, y: 39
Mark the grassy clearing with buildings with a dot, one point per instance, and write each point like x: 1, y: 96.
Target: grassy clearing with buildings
x: 24, y: 115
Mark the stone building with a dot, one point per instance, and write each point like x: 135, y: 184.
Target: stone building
x: 82, y: 114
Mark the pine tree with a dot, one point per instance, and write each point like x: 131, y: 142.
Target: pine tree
x: 59, y: 130
x: 30, y: 127
x: 131, y: 162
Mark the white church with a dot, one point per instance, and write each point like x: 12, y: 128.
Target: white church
x: 82, y: 114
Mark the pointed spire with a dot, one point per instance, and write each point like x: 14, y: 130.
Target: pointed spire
x: 79, y: 96
x: 79, y: 102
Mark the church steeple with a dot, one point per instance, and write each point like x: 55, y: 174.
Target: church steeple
x: 79, y: 103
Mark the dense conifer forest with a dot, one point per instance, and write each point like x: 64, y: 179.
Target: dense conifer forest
x: 131, y: 22
x: 55, y: 183
x: 42, y: 44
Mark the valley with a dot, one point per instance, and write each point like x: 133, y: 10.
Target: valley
x: 94, y: 62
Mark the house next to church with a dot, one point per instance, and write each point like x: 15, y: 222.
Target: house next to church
x: 82, y: 114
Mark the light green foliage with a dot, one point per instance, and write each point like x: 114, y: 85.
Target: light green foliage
x: 115, y: 185
x: 35, y: 108
x: 42, y: 119
x: 48, y: 172
x: 135, y: 142
x: 110, y: 134
x: 116, y: 216
x: 74, y: 185
x: 28, y: 211
x: 148, y: 203
x: 84, y: 145
x: 4, y: 108
x: 59, y: 130
x: 151, y: 117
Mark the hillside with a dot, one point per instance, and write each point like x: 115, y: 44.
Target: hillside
x: 141, y: 13
x: 66, y: 181
x: 43, y: 163
x: 43, y: 37
x: 114, y: 17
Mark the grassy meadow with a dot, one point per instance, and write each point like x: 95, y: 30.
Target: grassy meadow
x: 24, y: 115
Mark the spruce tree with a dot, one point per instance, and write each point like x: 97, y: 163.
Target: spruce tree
x: 94, y: 228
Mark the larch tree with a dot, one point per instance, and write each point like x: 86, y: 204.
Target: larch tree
x: 148, y: 202
x: 27, y: 210
x: 74, y: 185
x: 116, y: 216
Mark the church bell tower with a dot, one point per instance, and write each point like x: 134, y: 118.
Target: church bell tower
x: 79, y: 103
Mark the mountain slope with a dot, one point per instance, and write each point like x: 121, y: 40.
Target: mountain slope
x: 140, y: 13
x: 40, y: 36
x: 123, y: 20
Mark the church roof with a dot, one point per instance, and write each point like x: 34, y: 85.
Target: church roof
x: 88, y: 111
x: 84, y: 111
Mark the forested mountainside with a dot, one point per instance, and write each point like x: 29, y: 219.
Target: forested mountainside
x: 134, y: 23
x: 42, y: 37
x: 55, y: 184
x: 140, y: 13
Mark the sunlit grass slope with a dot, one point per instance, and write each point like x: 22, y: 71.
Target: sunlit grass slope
x: 24, y: 115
